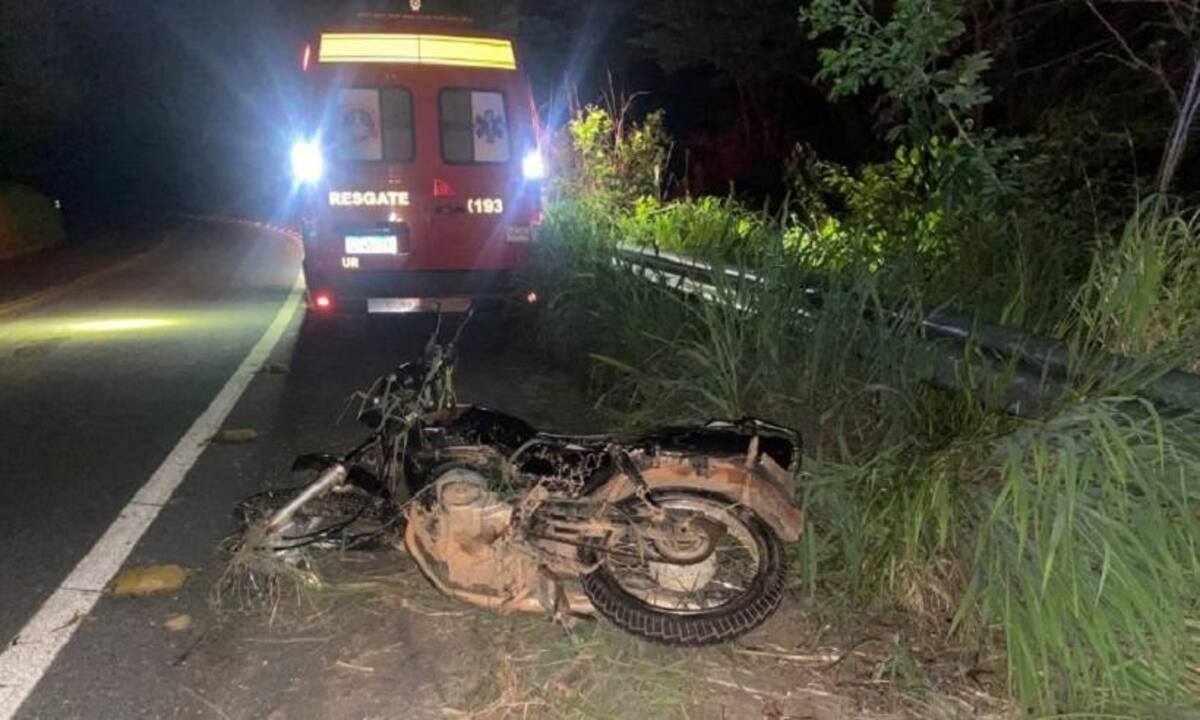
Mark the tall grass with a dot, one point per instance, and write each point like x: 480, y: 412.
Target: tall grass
x: 1070, y: 542
x: 1142, y: 294
x: 1086, y: 556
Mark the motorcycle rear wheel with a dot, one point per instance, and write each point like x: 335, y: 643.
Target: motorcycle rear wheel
x: 634, y: 605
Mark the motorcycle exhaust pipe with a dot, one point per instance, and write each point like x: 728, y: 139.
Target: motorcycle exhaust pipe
x: 332, y: 477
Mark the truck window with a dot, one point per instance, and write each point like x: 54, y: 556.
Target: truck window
x: 373, y: 124
x: 473, y: 125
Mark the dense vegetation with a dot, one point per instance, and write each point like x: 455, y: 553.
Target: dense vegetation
x: 1066, y: 543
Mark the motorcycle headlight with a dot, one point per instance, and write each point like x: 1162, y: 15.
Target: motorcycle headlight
x: 533, y: 165
x: 308, y: 164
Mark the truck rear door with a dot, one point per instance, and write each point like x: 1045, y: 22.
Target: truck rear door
x: 478, y: 209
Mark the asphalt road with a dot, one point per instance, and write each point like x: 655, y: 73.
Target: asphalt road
x: 96, y: 389
x: 98, y: 386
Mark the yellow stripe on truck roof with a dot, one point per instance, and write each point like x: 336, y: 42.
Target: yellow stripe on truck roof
x: 412, y: 49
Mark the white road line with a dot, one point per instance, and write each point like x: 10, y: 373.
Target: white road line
x: 28, y: 657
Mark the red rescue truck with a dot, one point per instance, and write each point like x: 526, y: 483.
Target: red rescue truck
x: 420, y: 175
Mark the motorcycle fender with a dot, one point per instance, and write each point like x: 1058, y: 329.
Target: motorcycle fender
x: 754, y: 488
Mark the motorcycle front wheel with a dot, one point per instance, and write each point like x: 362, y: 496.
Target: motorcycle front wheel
x: 354, y: 520
x: 720, y: 579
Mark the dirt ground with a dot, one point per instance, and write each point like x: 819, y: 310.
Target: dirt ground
x: 375, y: 640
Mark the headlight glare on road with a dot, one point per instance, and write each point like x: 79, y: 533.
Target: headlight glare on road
x: 534, y: 166
x: 308, y: 165
x: 109, y: 325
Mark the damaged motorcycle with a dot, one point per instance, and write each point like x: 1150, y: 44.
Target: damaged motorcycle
x: 675, y: 535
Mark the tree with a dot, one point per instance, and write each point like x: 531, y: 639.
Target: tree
x: 1179, y: 81
x: 931, y: 94
x: 751, y: 45
x: 909, y: 56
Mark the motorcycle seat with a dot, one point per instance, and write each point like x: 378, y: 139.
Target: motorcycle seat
x: 717, y: 438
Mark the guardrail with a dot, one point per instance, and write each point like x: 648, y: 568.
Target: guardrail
x: 1036, y: 369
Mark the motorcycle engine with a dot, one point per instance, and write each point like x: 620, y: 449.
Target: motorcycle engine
x: 463, y: 540
x: 473, y: 517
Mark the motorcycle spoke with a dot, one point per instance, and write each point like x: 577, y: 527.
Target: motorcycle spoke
x: 714, y: 581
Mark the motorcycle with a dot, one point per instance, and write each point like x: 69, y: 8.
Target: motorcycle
x: 675, y: 535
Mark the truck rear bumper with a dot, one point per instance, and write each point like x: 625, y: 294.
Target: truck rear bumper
x: 375, y: 291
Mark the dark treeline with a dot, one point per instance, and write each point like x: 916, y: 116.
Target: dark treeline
x: 171, y: 102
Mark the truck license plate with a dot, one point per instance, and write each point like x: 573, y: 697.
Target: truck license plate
x: 371, y: 244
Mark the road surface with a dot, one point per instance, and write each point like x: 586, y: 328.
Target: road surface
x: 99, y: 385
